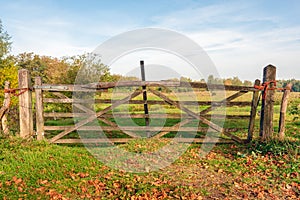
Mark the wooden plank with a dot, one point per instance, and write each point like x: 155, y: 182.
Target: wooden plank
x: 52, y: 100
x: 173, y: 115
x: 197, y: 116
x: 137, y: 128
x: 255, y: 99
x: 267, y: 108
x: 224, y: 102
x: 62, y: 115
x: 124, y: 140
x: 149, y: 102
x: 4, y: 109
x: 105, y: 85
x: 25, y: 104
x: 169, y: 115
x: 283, y: 107
x: 39, y: 110
x: 67, y: 88
x: 216, y: 87
x: 93, y: 117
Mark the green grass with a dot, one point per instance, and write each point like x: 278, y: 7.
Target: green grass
x: 34, y: 170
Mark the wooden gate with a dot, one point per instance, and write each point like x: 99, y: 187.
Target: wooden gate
x: 53, y: 106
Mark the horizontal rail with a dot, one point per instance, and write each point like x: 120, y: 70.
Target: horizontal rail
x: 161, y: 116
x: 124, y: 140
x: 66, y: 88
x: 103, y: 86
x: 150, y: 102
x: 138, y: 128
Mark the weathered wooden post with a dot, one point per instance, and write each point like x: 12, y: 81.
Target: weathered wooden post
x: 283, y: 108
x: 25, y: 104
x: 267, y: 108
x: 254, y: 104
x: 39, y: 109
x: 5, y: 108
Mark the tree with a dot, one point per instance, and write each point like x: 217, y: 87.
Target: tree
x: 33, y: 63
x: 185, y: 79
x: 247, y: 83
x: 214, y: 80
x: 228, y: 81
x: 5, y: 43
x: 8, y: 70
x: 236, y: 81
x: 87, y: 68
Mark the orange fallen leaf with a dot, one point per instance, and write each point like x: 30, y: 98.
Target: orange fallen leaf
x: 82, y: 175
x: 260, y: 195
x: 20, y: 189
x: 40, y: 189
x: 8, y: 183
x: 44, y: 182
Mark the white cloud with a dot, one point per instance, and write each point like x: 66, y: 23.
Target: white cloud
x: 240, y: 40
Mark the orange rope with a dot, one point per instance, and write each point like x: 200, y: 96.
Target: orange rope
x: 14, y: 91
x: 265, y: 87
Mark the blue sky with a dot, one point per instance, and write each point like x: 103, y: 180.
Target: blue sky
x: 239, y: 36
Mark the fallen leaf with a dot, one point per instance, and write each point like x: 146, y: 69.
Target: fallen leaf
x: 83, y: 175
x: 260, y: 195
x: 8, y: 183
x: 20, y: 189
x: 40, y: 189
x: 44, y: 182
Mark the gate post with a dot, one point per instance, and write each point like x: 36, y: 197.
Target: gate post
x: 4, y: 109
x: 254, y: 104
x: 25, y: 104
x: 39, y: 109
x: 267, y: 108
x: 283, y: 108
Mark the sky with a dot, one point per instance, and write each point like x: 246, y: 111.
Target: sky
x: 240, y: 37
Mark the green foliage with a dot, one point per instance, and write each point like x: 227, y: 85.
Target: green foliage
x: 33, y: 63
x: 228, y: 81
x: 8, y: 73
x: 8, y: 70
x: 278, y: 148
x: 294, y: 110
x: 295, y: 87
x: 86, y: 68
x: 5, y: 43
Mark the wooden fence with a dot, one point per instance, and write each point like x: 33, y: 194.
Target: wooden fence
x: 48, y: 94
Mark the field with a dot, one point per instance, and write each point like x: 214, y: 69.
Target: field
x: 38, y: 170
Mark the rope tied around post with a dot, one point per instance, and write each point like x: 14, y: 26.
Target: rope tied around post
x: 15, y: 92
x: 265, y: 87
